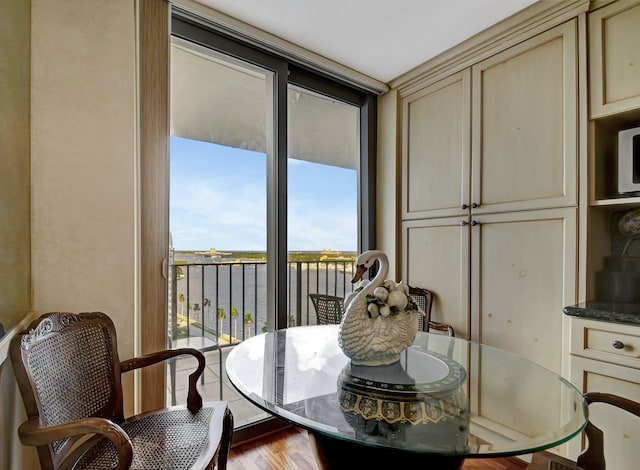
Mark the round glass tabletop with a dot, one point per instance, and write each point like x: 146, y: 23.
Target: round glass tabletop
x: 445, y: 396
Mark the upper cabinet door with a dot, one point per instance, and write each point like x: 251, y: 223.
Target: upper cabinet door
x: 525, y: 146
x: 614, y: 58
x: 435, y: 148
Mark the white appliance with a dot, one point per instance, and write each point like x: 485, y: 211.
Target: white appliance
x: 629, y: 160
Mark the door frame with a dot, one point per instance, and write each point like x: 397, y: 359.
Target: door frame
x: 157, y: 21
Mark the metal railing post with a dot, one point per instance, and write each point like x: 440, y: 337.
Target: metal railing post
x: 188, y: 303
x: 298, y: 293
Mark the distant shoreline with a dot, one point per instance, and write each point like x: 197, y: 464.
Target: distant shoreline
x: 293, y: 256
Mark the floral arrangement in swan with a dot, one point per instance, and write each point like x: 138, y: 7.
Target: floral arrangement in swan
x: 381, y: 318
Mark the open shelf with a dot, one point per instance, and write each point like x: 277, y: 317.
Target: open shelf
x: 631, y: 202
x: 603, y: 135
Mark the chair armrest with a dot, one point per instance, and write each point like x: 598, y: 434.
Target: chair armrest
x: 32, y: 433
x: 442, y: 327
x: 194, y: 400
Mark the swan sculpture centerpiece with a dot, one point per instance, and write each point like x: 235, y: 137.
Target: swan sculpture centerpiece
x: 380, y: 319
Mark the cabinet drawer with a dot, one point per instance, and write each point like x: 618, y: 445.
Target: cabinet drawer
x: 609, y: 342
x: 612, y: 343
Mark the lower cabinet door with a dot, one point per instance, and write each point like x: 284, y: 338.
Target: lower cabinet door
x: 523, y: 273
x: 621, y: 429
x: 436, y: 257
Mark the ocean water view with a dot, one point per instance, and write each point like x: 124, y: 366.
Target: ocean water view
x: 224, y: 294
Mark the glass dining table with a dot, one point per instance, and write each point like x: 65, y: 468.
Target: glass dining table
x: 444, y: 401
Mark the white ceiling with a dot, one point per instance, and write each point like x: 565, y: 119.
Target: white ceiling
x: 379, y: 38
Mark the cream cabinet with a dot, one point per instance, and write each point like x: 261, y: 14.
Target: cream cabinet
x: 522, y: 272
x: 436, y: 148
x: 614, y: 58
x: 524, y: 149
x: 614, y: 94
x: 489, y: 194
x: 509, y: 142
x: 501, y: 280
x: 605, y: 357
x: 614, y: 97
x: 436, y: 255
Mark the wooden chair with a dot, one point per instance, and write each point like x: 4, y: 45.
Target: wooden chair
x: 328, y: 308
x: 424, y: 299
x: 69, y: 375
x: 592, y: 458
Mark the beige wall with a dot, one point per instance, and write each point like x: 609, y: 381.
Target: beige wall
x: 83, y: 174
x: 15, y: 276
x: 83, y: 153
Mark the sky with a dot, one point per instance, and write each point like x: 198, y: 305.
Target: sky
x: 218, y: 200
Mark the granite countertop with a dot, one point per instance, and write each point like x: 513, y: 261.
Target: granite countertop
x: 614, y: 312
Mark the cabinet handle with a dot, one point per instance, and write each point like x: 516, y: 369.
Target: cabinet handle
x: 463, y: 223
x: 475, y: 205
x: 474, y: 223
x: 464, y: 206
x: 618, y: 344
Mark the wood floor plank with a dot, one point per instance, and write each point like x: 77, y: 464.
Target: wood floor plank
x: 289, y: 449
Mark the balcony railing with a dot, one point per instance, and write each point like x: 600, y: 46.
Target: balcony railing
x: 226, y: 300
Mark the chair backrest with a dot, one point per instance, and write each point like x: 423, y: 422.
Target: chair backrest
x: 328, y: 308
x: 424, y: 299
x: 67, y: 368
x: 593, y: 457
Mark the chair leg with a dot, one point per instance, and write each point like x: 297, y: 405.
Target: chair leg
x: 220, y: 365
x: 225, y: 444
x: 172, y: 371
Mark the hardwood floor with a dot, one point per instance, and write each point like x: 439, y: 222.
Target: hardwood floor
x: 289, y: 449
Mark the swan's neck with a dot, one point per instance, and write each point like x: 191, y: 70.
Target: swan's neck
x: 377, y: 280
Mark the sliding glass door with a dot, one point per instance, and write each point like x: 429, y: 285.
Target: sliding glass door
x: 221, y: 148
x: 322, y: 198
x: 268, y: 198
